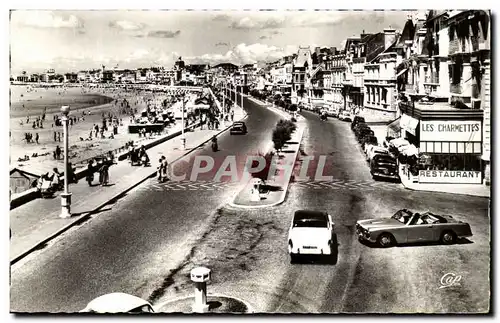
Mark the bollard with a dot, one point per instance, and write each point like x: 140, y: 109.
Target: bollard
x: 200, y: 276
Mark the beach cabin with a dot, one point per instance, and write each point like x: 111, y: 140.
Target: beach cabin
x: 20, y: 180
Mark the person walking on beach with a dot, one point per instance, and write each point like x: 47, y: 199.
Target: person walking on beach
x: 37, y: 137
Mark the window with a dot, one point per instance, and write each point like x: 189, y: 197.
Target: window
x: 469, y: 162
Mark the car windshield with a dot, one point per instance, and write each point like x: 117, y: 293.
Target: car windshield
x: 402, y: 216
x: 310, y: 223
x: 385, y: 159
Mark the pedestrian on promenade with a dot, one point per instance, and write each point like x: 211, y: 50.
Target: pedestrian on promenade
x: 104, y: 173
x: 59, y: 136
x: 37, y: 137
x: 160, y: 170
x: 58, y: 152
x: 232, y: 115
x: 55, y: 136
x: 164, y: 167
x: 90, y: 172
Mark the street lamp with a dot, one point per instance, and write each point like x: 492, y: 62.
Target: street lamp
x: 183, y: 138
x: 66, y: 195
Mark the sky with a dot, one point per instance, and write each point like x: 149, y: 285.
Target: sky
x: 86, y: 39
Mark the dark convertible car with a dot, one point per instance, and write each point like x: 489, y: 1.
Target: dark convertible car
x: 408, y: 227
x: 238, y: 128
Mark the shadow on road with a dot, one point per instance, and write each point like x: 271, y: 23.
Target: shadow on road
x: 417, y: 244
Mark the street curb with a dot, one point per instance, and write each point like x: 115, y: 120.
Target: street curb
x: 423, y: 190
x: 249, y: 307
x: 82, y: 172
x: 242, y: 206
x: 83, y: 218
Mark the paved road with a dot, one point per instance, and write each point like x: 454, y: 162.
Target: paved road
x: 147, y: 243
x: 133, y: 246
x: 247, y: 249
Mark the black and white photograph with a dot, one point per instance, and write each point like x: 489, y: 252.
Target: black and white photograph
x: 250, y: 161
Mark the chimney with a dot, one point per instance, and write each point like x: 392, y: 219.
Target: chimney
x: 389, y: 36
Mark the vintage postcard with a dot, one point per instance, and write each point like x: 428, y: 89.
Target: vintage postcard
x: 250, y: 161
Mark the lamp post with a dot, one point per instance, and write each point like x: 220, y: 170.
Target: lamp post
x: 183, y: 137
x: 241, y: 106
x: 66, y: 195
x: 224, y: 103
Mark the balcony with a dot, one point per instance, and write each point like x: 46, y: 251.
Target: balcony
x: 432, y: 79
x: 456, y: 47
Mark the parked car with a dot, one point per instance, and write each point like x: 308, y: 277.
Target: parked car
x: 311, y: 233
x: 384, y: 166
x: 408, y: 227
x: 345, y: 116
x: 359, y: 126
x: 370, y: 140
x: 363, y: 133
x: 332, y: 112
x: 375, y: 150
x: 118, y: 303
x: 238, y: 128
x: 356, y: 120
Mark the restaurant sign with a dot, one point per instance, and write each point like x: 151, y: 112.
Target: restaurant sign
x: 455, y: 131
x: 450, y: 176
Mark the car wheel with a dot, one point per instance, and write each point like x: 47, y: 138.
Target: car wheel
x: 293, y: 258
x: 448, y: 237
x: 385, y: 240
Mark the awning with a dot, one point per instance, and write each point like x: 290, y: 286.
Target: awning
x: 409, y: 124
x: 395, y: 125
x: 402, y: 72
x: 399, y: 142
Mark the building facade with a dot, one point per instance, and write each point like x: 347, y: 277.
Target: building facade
x: 449, y: 122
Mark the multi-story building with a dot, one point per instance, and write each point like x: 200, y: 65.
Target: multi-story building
x: 380, y: 96
x: 71, y: 77
x: 452, y: 129
x: 302, y: 68
x: 108, y: 76
x: 338, y: 67
x: 369, y: 47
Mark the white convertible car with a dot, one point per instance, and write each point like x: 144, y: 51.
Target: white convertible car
x: 311, y: 233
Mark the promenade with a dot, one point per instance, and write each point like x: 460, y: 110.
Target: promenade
x: 36, y: 222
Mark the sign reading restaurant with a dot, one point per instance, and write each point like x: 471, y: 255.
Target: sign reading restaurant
x: 450, y: 176
x: 456, y: 131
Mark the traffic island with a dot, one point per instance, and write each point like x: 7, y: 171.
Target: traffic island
x: 216, y: 305
x: 271, y: 189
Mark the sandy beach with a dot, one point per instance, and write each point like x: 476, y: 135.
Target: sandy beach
x: 92, y: 102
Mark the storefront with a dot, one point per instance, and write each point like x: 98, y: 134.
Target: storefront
x: 449, y: 142
x: 455, y: 147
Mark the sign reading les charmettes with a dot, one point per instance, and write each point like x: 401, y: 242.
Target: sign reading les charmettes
x: 453, y: 131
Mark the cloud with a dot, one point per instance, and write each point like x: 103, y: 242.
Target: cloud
x: 246, y: 54
x: 164, y: 33
x: 46, y: 19
x: 221, y: 44
x: 126, y: 25
x: 221, y: 17
x: 258, y: 22
x: 280, y: 19
x: 264, y: 37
